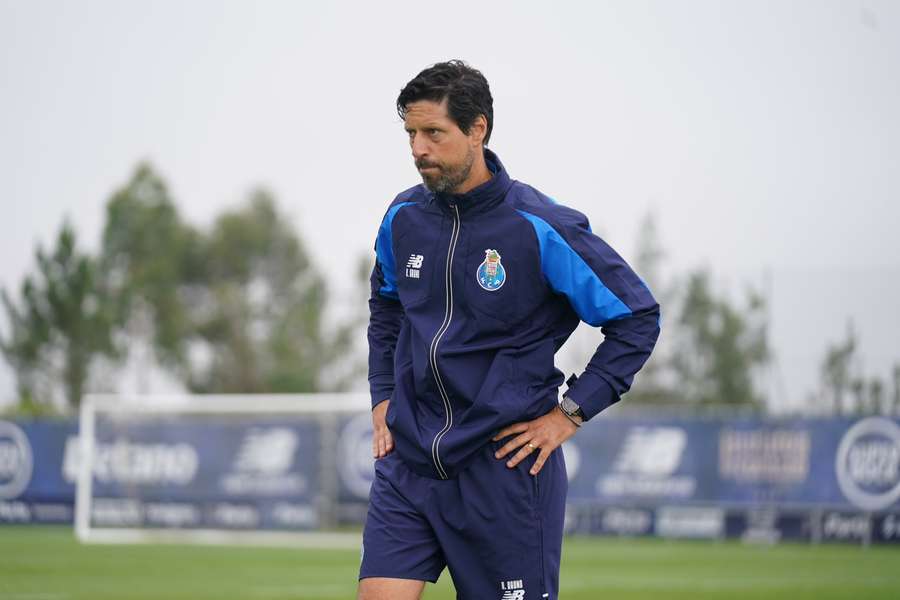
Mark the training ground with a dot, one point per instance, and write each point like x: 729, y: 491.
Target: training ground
x: 46, y: 563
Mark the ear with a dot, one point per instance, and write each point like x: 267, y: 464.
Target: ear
x: 478, y: 130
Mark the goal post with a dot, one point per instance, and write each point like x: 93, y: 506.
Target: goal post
x: 282, y: 469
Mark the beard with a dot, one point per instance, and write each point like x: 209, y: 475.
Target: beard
x: 449, y: 177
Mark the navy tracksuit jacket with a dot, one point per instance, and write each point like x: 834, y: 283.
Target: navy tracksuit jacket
x: 472, y: 295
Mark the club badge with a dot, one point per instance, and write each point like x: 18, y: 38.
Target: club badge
x: 490, y: 274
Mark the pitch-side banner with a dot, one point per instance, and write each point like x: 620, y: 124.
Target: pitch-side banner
x: 839, y: 463
x: 34, y: 484
x: 252, y: 472
x: 851, y: 464
x: 175, y: 472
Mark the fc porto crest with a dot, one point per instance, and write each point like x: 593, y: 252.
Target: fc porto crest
x: 490, y: 274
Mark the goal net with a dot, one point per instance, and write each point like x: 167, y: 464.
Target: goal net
x: 224, y: 469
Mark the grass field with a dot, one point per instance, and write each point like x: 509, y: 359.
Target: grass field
x: 46, y: 563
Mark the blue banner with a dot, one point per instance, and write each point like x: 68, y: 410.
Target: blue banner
x: 34, y: 484
x: 835, y: 463
x: 172, y: 472
x: 763, y: 479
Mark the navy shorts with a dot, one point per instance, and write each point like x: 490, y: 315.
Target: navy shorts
x: 498, y: 530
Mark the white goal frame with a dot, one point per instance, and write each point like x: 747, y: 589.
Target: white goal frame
x: 326, y: 407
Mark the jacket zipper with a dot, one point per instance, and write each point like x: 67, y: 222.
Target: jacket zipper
x: 448, y: 315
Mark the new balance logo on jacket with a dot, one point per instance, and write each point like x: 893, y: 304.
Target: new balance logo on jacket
x: 413, y: 265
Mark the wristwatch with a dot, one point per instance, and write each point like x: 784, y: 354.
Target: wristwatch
x: 571, y: 409
x: 569, y: 406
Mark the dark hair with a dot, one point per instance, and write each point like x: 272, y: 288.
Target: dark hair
x: 466, y: 90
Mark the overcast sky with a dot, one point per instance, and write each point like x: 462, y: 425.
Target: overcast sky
x: 763, y: 136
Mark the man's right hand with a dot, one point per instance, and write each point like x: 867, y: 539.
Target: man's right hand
x: 382, y: 442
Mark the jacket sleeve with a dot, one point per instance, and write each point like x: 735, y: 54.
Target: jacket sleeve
x: 606, y: 293
x: 385, y: 316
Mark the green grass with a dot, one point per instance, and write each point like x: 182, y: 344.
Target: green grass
x: 46, y: 563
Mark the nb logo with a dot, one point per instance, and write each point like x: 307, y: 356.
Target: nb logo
x: 413, y: 265
x: 513, y: 589
x: 652, y: 451
x: 267, y: 451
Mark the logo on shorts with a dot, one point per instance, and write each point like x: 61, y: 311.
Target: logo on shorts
x: 512, y: 589
x: 490, y: 274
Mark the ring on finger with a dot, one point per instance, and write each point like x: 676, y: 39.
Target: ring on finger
x: 532, y: 446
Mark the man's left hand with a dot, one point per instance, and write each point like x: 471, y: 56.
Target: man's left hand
x: 545, y: 434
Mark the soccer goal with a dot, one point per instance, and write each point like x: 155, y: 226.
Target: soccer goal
x: 224, y: 469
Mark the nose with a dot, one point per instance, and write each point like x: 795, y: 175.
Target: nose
x: 420, y: 146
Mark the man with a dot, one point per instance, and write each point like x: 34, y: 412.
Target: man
x: 478, y: 281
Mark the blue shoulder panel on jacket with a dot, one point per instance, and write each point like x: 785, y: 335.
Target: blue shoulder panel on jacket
x: 569, y: 274
x: 554, y: 202
x: 384, y: 252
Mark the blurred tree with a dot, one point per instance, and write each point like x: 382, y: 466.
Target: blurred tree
x: 63, y: 322
x: 719, y: 346
x: 650, y: 385
x: 846, y: 390
x: 895, y: 401
x: 836, y: 371
x: 261, y: 321
x: 858, y: 389
x: 349, y: 370
x: 152, y: 262
x: 708, y: 350
x: 238, y: 309
x: 876, y: 397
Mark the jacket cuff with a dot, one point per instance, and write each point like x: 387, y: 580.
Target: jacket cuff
x: 592, y: 393
x: 381, y: 389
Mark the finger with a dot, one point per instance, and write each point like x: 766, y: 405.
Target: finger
x: 509, y: 430
x: 382, y: 444
x: 539, y: 461
x: 379, y: 446
x: 513, y: 444
x: 523, y: 452
x: 388, y: 441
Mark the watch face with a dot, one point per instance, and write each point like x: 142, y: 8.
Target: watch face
x: 570, y: 407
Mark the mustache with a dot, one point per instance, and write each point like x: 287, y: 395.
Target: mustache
x: 424, y: 164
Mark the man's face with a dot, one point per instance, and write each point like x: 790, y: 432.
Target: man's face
x: 444, y: 155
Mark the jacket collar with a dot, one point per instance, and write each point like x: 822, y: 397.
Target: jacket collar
x: 483, y: 197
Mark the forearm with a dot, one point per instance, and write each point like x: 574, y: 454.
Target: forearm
x: 385, y: 319
x: 609, y: 374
